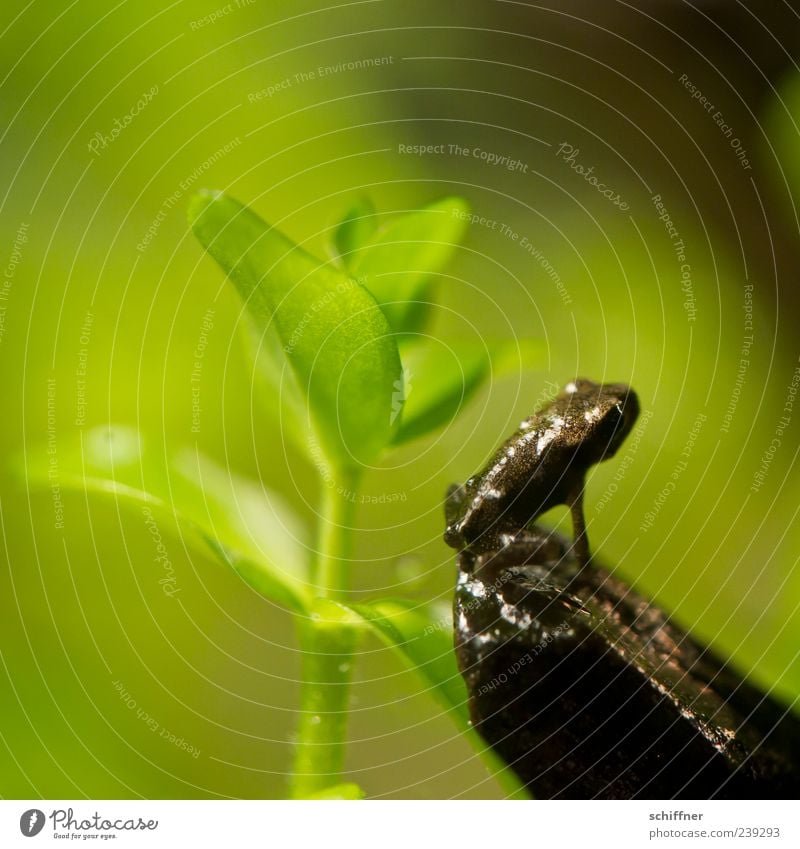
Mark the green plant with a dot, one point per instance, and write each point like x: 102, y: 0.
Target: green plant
x: 331, y: 341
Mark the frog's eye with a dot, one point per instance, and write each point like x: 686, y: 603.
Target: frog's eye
x: 629, y: 407
x: 608, y: 431
x: 614, y: 419
x: 620, y: 416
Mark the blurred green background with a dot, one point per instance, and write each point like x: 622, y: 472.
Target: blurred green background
x: 257, y: 98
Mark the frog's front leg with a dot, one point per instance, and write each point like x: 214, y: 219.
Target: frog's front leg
x: 454, y: 501
x: 453, y: 510
x: 528, y: 545
x: 580, y: 540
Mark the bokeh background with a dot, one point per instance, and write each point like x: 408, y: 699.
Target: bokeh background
x: 104, y: 293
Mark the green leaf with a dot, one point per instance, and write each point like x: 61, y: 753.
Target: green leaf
x: 340, y: 792
x: 336, y: 339
x: 399, y: 263
x: 440, y: 378
x: 244, y: 525
x: 424, y: 641
x: 274, y: 389
x: 355, y: 229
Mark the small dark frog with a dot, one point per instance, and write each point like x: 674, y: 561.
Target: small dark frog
x: 584, y: 687
x: 542, y: 465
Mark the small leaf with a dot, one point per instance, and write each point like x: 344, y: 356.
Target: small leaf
x: 264, y: 538
x: 335, y: 337
x: 243, y: 524
x: 399, y: 263
x: 340, y: 792
x: 440, y: 378
x: 355, y: 229
x: 425, y: 643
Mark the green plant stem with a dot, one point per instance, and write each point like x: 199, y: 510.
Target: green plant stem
x: 327, y: 645
x: 327, y: 660
x: 335, y: 539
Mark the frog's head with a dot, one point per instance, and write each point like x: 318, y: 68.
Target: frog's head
x: 605, y: 413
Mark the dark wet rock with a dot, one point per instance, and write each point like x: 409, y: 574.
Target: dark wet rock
x: 588, y: 691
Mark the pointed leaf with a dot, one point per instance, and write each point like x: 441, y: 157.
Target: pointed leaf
x: 438, y: 381
x: 397, y: 265
x: 440, y: 378
x: 244, y: 525
x: 340, y: 792
x: 334, y: 335
x: 354, y: 230
x: 275, y: 391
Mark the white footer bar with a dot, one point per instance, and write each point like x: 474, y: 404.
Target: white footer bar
x: 401, y: 824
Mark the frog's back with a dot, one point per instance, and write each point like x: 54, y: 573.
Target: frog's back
x: 528, y: 475
x: 544, y: 463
